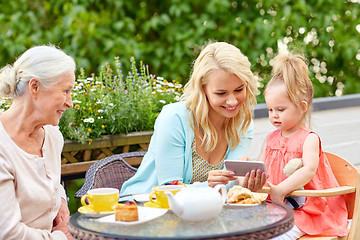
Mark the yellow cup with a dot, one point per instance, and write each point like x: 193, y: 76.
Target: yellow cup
x: 161, y: 199
x: 101, y: 199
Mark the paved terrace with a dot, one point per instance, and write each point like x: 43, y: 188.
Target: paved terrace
x: 335, y: 119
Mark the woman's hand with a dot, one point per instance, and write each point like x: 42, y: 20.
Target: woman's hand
x: 63, y: 214
x: 62, y: 226
x: 244, y: 158
x: 220, y: 177
x: 254, y: 180
x: 62, y: 218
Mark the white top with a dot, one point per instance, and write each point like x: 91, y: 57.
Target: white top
x: 30, y: 189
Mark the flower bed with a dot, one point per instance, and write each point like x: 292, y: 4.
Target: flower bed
x: 112, y: 102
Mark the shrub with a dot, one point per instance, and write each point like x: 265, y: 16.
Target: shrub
x: 113, y: 102
x: 168, y: 34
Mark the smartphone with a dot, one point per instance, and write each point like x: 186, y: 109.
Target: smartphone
x: 240, y: 168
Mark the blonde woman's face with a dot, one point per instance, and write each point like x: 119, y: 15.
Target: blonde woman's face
x: 225, y: 94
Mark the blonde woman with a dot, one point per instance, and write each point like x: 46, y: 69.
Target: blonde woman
x: 33, y: 202
x: 212, y: 122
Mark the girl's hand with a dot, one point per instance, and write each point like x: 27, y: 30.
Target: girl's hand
x: 254, y: 180
x: 276, y: 194
x: 220, y: 177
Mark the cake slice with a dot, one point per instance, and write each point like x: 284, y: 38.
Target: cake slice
x: 127, y: 212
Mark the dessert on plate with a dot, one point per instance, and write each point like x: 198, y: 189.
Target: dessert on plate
x: 175, y: 182
x: 127, y: 212
x: 238, y: 194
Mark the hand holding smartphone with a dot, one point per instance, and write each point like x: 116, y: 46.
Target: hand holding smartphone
x: 240, y: 168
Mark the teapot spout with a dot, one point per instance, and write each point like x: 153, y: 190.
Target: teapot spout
x: 175, y: 205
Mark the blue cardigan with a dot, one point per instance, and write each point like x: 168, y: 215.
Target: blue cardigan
x: 169, y: 155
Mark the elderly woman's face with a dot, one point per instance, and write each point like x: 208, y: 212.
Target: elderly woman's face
x: 225, y: 93
x: 54, y: 99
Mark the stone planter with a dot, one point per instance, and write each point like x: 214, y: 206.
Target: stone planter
x: 77, y: 157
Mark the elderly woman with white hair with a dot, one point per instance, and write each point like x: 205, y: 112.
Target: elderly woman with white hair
x: 213, y: 122
x: 33, y: 202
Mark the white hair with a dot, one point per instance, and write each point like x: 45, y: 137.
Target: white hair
x: 45, y: 63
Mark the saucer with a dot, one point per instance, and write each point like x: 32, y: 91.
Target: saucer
x: 154, y: 205
x: 88, y: 211
x: 144, y: 197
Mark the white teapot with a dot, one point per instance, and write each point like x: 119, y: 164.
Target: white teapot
x: 197, y: 202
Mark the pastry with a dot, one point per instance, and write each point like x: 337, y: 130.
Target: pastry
x: 175, y: 182
x: 127, y: 212
x: 238, y: 194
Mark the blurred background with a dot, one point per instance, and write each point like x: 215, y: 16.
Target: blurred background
x: 167, y: 35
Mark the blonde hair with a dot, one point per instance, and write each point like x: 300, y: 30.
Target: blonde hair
x: 224, y: 56
x: 46, y: 63
x: 292, y: 71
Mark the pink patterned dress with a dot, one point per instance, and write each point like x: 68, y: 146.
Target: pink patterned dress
x: 319, y: 215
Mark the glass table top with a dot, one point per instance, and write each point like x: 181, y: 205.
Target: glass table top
x: 232, y: 221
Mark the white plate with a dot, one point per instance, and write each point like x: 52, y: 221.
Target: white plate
x: 145, y: 214
x: 261, y: 196
x: 144, y: 197
x: 240, y: 205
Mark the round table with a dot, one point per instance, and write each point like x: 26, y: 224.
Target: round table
x: 263, y: 221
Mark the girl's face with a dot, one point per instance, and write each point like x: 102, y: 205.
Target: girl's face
x: 54, y: 99
x: 283, y: 113
x: 225, y: 93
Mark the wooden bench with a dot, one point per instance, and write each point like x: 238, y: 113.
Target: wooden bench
x: 77, y: 157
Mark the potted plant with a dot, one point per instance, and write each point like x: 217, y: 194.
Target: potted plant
x: 113, y: 112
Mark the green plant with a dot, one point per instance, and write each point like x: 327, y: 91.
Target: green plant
x: 169, y: 34
x: 112, y: 103
x: 5, y: 103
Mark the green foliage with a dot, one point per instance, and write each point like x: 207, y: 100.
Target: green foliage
x: 113, y: 103
x: 72, y: 186
x: 168, y: 34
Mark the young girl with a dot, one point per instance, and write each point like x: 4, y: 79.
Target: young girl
x: 289, y: 96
